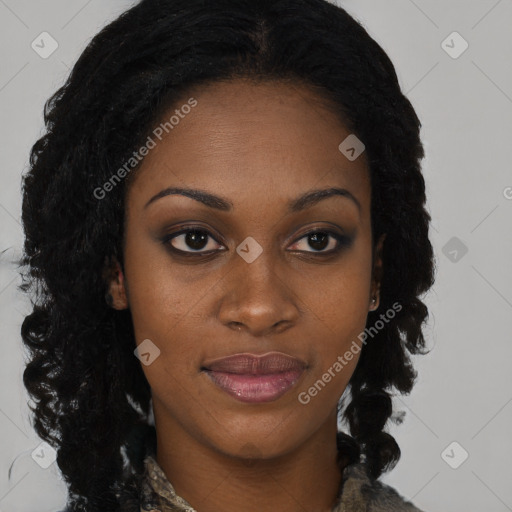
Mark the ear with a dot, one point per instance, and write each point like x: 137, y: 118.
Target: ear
x: 116, y: 296
x: 377, y: 274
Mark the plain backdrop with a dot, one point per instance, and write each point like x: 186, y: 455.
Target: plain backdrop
x: 453, y: 62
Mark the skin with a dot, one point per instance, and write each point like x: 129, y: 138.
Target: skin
x: 259, y: 147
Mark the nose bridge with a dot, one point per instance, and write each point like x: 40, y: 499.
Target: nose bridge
x: 257, y: 296
x: 260, y: 281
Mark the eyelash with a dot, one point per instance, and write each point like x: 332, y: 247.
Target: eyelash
x: 342, y: 242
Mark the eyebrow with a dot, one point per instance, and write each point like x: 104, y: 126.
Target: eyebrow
x: 219, y: 203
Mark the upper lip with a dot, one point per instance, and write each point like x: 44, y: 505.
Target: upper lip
x: 246, y: 363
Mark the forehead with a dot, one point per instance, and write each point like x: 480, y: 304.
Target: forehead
x: 246, y: 140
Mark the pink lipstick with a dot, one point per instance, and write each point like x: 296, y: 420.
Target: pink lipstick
x: 255, y: 378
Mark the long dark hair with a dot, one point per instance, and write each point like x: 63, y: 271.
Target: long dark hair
x: 91, y: 398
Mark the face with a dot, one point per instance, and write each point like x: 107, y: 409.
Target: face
x: 255, y: 269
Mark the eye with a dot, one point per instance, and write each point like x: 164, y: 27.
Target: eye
x: 320, y: 240
x: 195, y: 241
x: 199, y: 241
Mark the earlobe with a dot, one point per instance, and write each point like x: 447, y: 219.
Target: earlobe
x: 116, y: 296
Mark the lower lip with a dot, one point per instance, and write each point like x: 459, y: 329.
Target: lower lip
x: 255, y: 388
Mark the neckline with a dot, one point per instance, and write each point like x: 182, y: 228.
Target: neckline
x: 160, y: 495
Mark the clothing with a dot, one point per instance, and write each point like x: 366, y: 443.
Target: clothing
x: 358, y: 493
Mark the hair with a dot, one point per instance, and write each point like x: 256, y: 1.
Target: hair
x: 92, y: 400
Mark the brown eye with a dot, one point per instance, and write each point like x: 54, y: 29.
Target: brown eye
x: 320, y: 240
x: 192, y: 241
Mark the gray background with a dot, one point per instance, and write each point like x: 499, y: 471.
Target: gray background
x: 463, y: 393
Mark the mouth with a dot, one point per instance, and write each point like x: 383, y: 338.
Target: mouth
x: 255, y: 378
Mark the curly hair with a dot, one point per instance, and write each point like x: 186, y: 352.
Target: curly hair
x: 91, y: 398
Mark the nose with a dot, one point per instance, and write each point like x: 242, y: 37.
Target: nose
x: 257, y: 299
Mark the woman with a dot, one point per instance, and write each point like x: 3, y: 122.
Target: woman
x: 227, y: 239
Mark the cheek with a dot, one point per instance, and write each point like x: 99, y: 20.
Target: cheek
x: 337, y: 295
x: 156, y: 300
x: 337, y: 300
x: 339, y: 314
x: 166, y: 303
x: 341, y: 304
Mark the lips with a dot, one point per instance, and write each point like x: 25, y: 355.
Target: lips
x: 273, y: 362
x: 255, y: 378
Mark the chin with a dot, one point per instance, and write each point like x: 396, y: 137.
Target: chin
x: 260, y: 440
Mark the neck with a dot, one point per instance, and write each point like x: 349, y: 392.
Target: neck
x: 307, y: 478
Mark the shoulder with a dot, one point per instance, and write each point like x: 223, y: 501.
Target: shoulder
x: 361, y: 493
